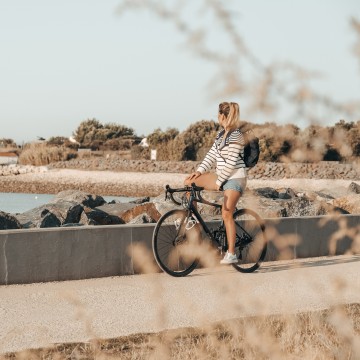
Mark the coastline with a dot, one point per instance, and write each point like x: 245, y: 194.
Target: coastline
x: 93, y: 181
x: 136, y: 184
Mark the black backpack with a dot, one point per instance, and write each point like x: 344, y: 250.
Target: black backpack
x: 251, y: 149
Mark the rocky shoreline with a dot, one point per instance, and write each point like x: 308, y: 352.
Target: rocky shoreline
x: 273, y: 190
x: 77, y: 208
x: 320, y: 170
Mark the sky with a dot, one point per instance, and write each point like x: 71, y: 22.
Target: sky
x: 65, y: 61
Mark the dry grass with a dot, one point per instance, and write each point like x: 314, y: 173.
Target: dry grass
x: 328, y: 334
x: 42, y: 154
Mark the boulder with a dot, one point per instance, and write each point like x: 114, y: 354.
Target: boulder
x: 162, y: 206
x: 79, y: 197
x: 287, y: 193
x: 300, y: 206
x: 140, y: 200
x: 354, y: 188
x: 48, y: 219
x: 8, y: 221
x: 67, y: 207
x: 99, y: 217
x: 265, y: 207
x: 267, y: 192
x: 142, y: 219
x: 65, y: 211
x: 128, y: 211
x: 322, y: 195
x: 350, y: 203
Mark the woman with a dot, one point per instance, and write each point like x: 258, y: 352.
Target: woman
x: 228, y: 152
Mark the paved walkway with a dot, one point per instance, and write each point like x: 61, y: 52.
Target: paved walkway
x: 37, y: 315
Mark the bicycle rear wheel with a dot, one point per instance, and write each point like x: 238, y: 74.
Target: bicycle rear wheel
x: 175, y: 242
x: 251, y: 242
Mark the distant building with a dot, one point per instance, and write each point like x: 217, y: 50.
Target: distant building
x: 7, y: 158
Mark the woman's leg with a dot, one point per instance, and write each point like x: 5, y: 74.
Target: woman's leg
x: 207, y: 180
x: 231, y: 197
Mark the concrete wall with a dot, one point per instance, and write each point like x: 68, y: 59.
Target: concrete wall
x: 39, y: 255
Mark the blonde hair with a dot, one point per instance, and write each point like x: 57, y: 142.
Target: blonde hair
x: 231, y: 111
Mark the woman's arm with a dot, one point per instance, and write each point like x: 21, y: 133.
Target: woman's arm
x: 209, y: 160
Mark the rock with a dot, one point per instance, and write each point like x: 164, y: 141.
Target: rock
x: 8, y: 221
x: 288, y: 193
x: 266, y: 208
x: 48, y: 219
x: 354, y: 188
x: 267, y: 192
x: 300, y: 206
x: 323, y: 195
x: 128, y: 211
x: 350, y: 203
x: 79, y: 197
x: 142, y: 219
x: 73, y: 214
x: 67, y: 206
x: 99, y: 217
x: 163, y: 206
x: 324, y: 208
x: 65, y: 211
x: 140, y: 200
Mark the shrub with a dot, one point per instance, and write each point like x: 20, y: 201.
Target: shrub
x: 7, y: 143
x: 62, y: 141
x: 91, y: 131
x: 140, y: 153
x: 41, y: 154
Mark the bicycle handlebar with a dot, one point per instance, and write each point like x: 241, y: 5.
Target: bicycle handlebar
x: 193, y: 188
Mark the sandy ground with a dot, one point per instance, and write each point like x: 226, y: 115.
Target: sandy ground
x: 138, y: 184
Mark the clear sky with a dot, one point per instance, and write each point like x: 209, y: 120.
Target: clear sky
x: 64, y: 61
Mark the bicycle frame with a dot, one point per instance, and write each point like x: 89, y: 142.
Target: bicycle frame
x: 195, y: 197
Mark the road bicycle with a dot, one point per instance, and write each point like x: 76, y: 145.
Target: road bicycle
x: 179, y: 233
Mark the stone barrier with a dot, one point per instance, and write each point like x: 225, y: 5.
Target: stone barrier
x: 53, y: 254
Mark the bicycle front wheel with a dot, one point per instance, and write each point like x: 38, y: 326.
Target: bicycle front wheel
x: 175, y: 242
x: 251, y: 242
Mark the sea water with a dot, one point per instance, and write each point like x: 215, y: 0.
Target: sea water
x: 14, y: 203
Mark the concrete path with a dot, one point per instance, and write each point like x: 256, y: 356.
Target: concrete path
x: 37, y: 315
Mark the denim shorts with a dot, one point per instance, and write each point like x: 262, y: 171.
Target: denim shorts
x: 235, y: 184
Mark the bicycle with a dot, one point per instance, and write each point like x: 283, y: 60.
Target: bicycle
x: 179, y: 231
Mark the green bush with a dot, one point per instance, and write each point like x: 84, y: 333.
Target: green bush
x: 91, y: 133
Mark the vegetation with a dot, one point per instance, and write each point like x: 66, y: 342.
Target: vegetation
x: 7, y: 143
x: 279, y: 143
x: 92, y: 134
x: 327, y: 334
x: 188, y: 145
x: 43, y: 154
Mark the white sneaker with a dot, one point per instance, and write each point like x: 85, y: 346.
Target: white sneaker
x: 229, y: 259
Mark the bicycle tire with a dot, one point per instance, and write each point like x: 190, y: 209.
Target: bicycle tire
x: 173, y: 243
x: 251, y: 242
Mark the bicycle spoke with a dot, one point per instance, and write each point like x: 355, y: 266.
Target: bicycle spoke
x: 250, y: 240
x: 172, y: 241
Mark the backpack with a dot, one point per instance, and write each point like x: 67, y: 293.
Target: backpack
x: 251, y: 149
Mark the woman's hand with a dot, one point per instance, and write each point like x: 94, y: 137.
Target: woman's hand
x: 194, y: 175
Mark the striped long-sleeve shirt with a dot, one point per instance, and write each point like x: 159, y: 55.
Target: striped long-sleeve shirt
x: 227, y: 152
